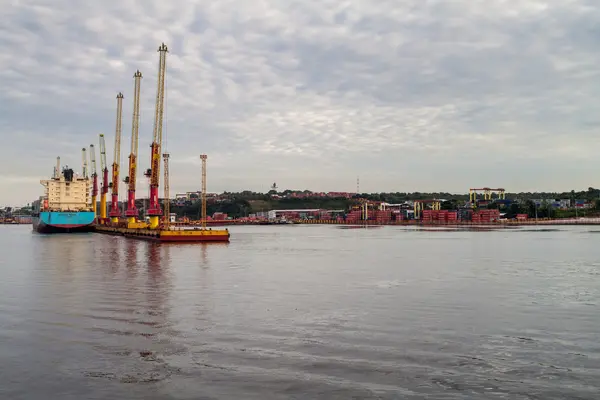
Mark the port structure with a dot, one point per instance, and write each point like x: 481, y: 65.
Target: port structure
x: 487, y: 194
x: 419, y: 206
x: 203, y: 157
x: 104, y: 189
x: 155, y: 230
x: 94, y: 178
x: 154, y: 211
x: 132, y: 212
x: 114, y: 203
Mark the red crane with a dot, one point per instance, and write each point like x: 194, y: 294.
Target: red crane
x: 114, y: 204
x: 94, y: 177
x: 132, y: 211
x: 104, y: 189
x: 154, y: 210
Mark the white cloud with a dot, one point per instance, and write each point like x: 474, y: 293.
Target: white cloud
x: 410, y: 95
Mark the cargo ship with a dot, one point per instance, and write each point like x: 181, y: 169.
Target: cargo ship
x: 66, y: 205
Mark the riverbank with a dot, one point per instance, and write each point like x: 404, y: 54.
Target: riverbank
x: 527, y: 222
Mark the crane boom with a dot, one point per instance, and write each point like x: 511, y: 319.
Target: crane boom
x: 94, y: 177
x: 114, y: 205
x: 104, y: 169
x: 132, y: 211
x: 154, y: 210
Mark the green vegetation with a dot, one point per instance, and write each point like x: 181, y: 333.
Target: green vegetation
x: 241, y: 204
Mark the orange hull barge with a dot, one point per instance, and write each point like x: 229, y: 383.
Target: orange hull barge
x: 179, y: 235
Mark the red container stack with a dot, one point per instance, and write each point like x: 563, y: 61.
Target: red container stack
x: 486, y: 216
x: 443, y: 215
x: 427, y: 215
x: 353, y: 216
x: 452, y: 216
x: 383, y: 216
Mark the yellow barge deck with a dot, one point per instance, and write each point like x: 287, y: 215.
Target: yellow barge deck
x: 181, y: 235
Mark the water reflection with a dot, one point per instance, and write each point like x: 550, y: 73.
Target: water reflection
x: 310, y: 312
x: 131, y: 258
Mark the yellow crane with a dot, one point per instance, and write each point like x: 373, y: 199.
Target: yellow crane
x: 132, y: 211
x: 167, y: 198
x: 94, y: 178
x: 104, y: 190
x: 154, y: 211
x: 203, y: 157
x: 114, y: 204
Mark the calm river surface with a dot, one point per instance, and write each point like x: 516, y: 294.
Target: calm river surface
x: 302, y: 312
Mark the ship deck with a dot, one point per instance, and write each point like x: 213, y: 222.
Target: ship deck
x: 168, y: 235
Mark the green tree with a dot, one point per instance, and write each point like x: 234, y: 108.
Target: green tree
x: 449, y: 205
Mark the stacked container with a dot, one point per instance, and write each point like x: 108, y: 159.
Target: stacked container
x: 452, y: 217
x: 427, y: 215
x: 383, y: 216
x: 353, y: 216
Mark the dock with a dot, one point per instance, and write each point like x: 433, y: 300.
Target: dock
x: 179, y: 235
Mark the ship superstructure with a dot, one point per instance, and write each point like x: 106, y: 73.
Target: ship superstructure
x: 67, y: 202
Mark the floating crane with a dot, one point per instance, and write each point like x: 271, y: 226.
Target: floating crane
x: 132, y: 211
x: 154, y: 210
x: 114, y: 204
x: 203, y: 157
x: 104, y: 169
x: 94, y: 178
x: 158, y: 229
x: 84, y: 166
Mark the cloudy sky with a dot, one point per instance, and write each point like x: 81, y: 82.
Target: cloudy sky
x: 410, y: 95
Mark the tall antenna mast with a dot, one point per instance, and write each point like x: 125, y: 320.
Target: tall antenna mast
x: 154, y: 210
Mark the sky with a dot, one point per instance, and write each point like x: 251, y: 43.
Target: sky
x: 407, y: 95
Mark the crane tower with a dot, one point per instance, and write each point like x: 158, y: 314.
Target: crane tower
x: 114, y: 205
x: 94, y: 178
x: 84, y: 165
x: 167, y: 198
x: 154, y: 210
x: 104, y: 169
x: 203, y: 157
x: 132, y: 211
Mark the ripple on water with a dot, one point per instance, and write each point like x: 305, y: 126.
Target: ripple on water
x: 304, y: 312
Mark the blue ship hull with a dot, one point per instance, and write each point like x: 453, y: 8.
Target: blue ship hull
x: 63, y: 222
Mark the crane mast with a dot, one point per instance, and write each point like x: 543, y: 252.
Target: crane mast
x: 203, y: 157
x: 132, y: 211
x: 154, y: 210
x: 94, y: 177
x: 114, y: 205
x: 167, y: 198
x: 104, y: 169
x: 84, y: 166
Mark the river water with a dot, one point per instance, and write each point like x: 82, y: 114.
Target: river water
x: 302, y: 312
